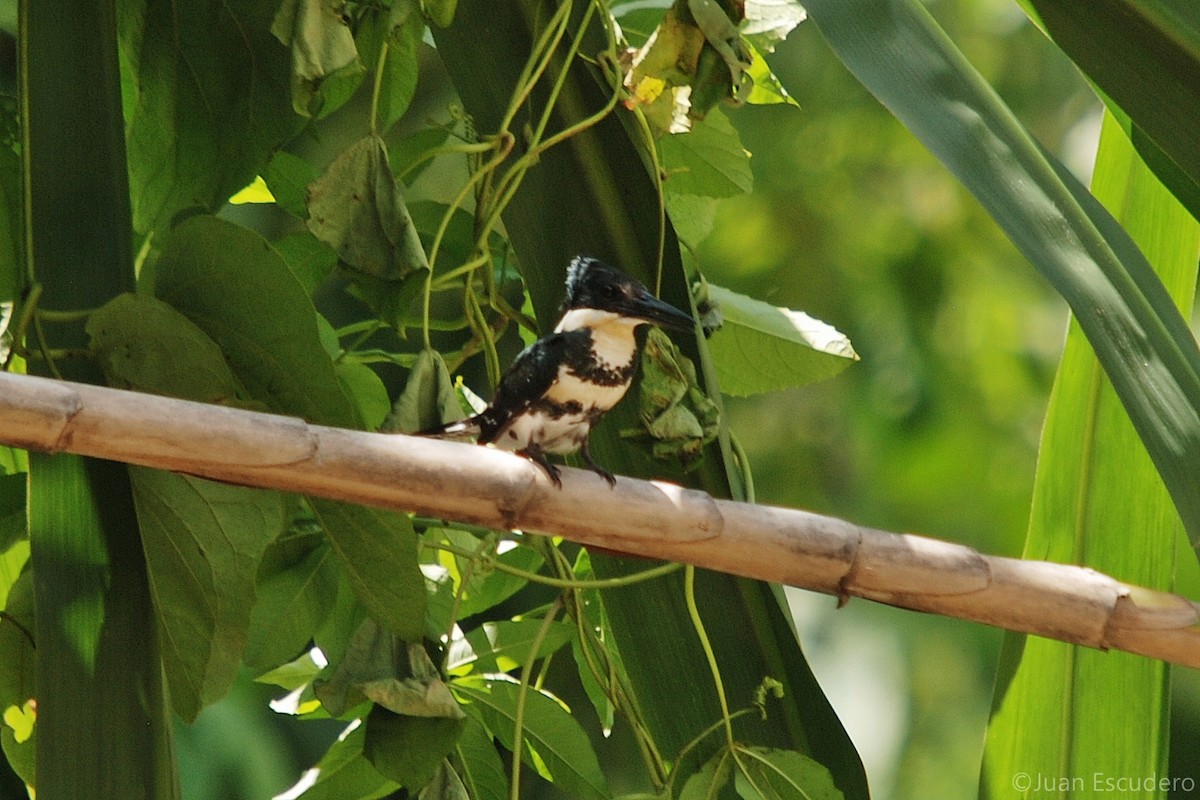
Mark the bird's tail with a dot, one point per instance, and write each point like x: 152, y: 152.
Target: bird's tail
x: 460, y: 429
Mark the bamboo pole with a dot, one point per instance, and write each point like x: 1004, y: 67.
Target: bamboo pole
x: 489, y: 487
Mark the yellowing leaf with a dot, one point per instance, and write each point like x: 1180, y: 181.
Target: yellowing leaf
x: 256, y: 192
x: 21, y: 720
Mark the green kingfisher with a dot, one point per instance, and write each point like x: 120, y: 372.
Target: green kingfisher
x: 562, y: 384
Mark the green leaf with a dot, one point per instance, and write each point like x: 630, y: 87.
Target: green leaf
x: 708, y: 781
x: 356, y: 208
x: 203, y: 543
x: 1066, y: 711
x: 103, y: 725
x: 343, y: 773
x: 764, y: 348
x: 1144, y: 344
x: 1145, y: 56
x: 692, y: 215
x: 325, y: 66
x: 428, y: 399
x: 554, y: 743
x: 401, y: 27
x: 709, y: 160
x: 483, y: 772
x: 206, y: 100
x: 409, y: 154
x: 378, y: 550
x: 767, y: 774
x: 364, y: 386
x: 145, y: 345
x: 765, y: 87
x: 296, y: 579
x: 441, y: 12
x: 408, y: 749
x: 11, y: 260
x: 486, y: 589
x: 309, y: 259
x: 503, y: 646
x: 230, y: 283
x: 445, y: 785
x: 288, y: 177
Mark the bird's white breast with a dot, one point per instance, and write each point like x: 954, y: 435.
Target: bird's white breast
x: 553, y: 435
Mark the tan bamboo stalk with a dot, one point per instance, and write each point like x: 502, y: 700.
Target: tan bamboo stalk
x: 485, y: 486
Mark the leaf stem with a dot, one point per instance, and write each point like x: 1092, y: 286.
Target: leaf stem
x: 377, y: 86
x: 689, y: 593
x: 564, y: 583
x: 523, y: 693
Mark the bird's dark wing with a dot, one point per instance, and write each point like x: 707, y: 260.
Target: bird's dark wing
x: 531, y: 375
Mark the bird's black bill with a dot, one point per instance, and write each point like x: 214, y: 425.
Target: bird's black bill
x: 648, y: 307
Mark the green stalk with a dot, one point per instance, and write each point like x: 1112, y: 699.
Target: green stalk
x: 102, y: 728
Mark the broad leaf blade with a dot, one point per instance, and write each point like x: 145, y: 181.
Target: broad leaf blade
x: 1145, y: 56
x: 1110, y: 707
x: 763, y: 348
x: 203, y: 542
x: 564, y: 755
x: 102, y: 728
x: 230, y: 282
x: 900, y: 54
x: 782, y: 775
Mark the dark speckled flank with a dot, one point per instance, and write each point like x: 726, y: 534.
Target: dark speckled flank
x: 556, y: 410
x: 580, y: 361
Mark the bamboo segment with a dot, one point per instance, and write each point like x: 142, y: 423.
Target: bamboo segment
x: 485, y: 486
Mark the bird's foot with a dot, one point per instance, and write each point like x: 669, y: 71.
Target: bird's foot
x: 535, y: 454
x: 596, y: 468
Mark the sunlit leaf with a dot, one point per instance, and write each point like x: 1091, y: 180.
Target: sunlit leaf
x: 763, y: 348
x: 505, y: 645
x: 1059, y: 709
x: 766, y: 88
x: 256, y: 192
x: 1143, y: 342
